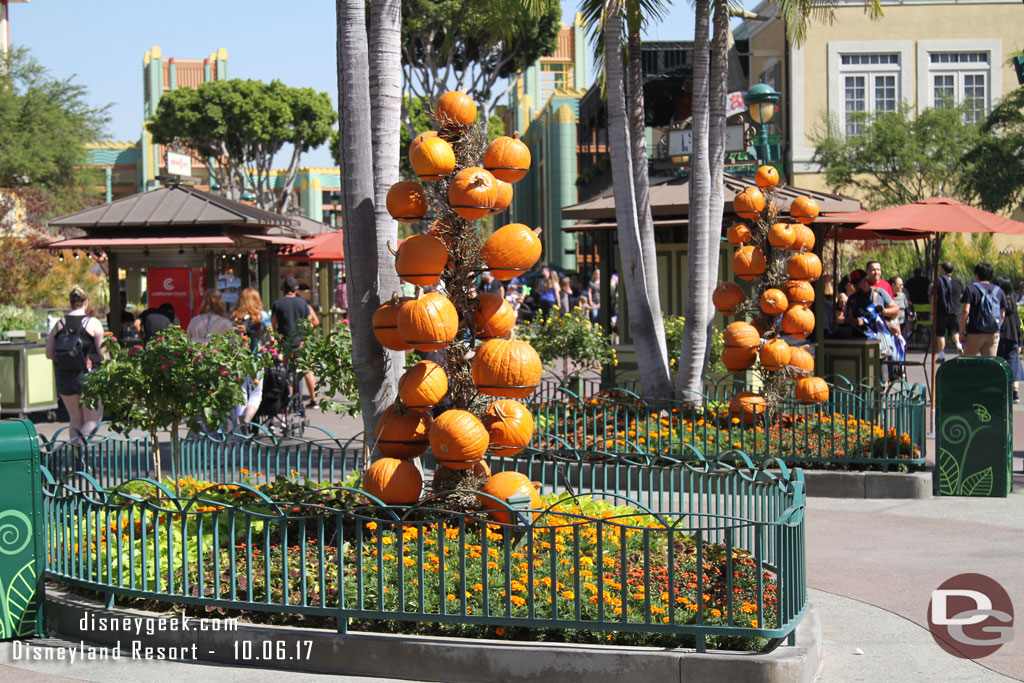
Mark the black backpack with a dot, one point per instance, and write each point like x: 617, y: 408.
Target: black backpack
x: 945, y: 300
x: 275, y: 390
x: 68, y: 347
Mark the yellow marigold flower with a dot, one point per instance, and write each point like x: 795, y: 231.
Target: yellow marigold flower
x: 753, y: 622
x: 568, y: 595
x: 451, y: 596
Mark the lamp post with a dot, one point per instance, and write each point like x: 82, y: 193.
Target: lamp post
x: 761, y: 100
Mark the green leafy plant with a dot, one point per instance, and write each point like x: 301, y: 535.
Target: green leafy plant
x: 16, y: 318
x: 329, y: 357
x: 571, y: 338
x: 674, y: 325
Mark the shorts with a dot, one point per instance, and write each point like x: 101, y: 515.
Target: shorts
x: 69, y: 382
x: 947, y: 323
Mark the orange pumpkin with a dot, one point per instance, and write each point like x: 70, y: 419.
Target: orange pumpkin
x: 798, y: 291
x: 804, y: 209
x: 747, y: 406
x: 774, y: 302
x: 402, y: 435
x: 385, y: 324
x: 493, y: 316
x: 421, y: 259
x: 420, y: 138
x: 458, y: 439
x: 394, y: 481
x: 428, y: 323
x: 748, y: 262
x: 472, y: 192
x: 804, y: 237
x: 506, y: 367
x: 511, y: 251
x: 455, y: 109
x: 508, y: 158
x: 510, y: 425
x: 740, y: 346
x: 801, y: 362
x: 407, y: 202
x: 432, y: 159
x: 502, y: 198
x: 798, y: 322
x: 424, y: 385
x: 766, y: 177
x: 782, y: 236
x: 804, y: 266
x: 775, y: 354
x: 739, y: 234
x: 727, y: 296
x: 748, y: 203
x: 811, y: 390
x: 503, y: 486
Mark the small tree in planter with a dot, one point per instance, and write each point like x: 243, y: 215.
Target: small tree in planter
x: 582, y: 347
x: 173, y: 381
x: 329, y: 357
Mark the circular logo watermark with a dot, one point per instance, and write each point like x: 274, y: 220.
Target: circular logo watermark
x: 970, y: 616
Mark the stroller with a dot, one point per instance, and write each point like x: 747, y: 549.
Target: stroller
x: 281, y: 410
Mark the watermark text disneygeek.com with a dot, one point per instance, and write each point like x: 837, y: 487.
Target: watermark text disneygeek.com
x: 149, y: 625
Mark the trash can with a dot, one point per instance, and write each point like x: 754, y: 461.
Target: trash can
x: 21, y: 531
x: 974, y: 428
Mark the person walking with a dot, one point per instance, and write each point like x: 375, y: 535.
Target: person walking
x: 285, y: 315
x: 1010, y: 337
x: 547, y: 292
x: 947, y: 310
x: 154, y: 320
x: 249, y: 314
x: 75, y: 345
x: 593, y: 296
x: 564, y: 295
x: 211, y: 319
x: 906, y: 316
x: 982, y: 312
x: 918, y: 290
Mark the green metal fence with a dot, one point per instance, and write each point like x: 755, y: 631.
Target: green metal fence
x: 722, y: 555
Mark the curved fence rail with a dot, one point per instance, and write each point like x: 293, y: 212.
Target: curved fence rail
x: 723, y: 557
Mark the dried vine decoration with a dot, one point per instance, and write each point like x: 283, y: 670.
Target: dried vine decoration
x: 462, y: 485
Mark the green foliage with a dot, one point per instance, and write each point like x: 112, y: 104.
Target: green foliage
x: 964, y: 251
x: 243, y: 125
x: 996, y: 161
x: 674, y: 325
x: 570, y: 337
x: 329, y: 357
x: 16, y: 318
x: 900, y: 158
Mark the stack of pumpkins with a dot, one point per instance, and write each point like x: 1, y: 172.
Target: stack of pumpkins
x: 501, y: 366
x: 784, y: 301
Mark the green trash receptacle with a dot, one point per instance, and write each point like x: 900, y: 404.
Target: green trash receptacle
x: 974, y: 427
x: 21, y: 531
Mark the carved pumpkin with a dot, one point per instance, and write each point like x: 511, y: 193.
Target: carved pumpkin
x: 510, y: 425
x: 420, y: 138
x: 455, y: 109
x: 798, y: 322
x: 782, y: 236
x: 385, y: 324
x: 432, y: 159
x: 505, y: 367
x: 748, y: 262
x: 798, y: 292
x: 766, y: 177
x: 804, y: 209
x: 748, y: 203
x: 394, y: 481
x: 428, y: 323
x: 774, y: 302
x: 511, y: 251
x: 503, y: 486
x: 502, y: 198
x: 727, y: 296
x: 747, y: 406
x: 406, y: 201
x: 805, y: 266
x: 740, y: 349
x: 492, y: 316
x: 804, y: 237
x: 739, y: 234
x: 801, y: 362
x: 421, y: 259
x: 402, y: 435
x: 811, y: 390
x: 458, y: 439
x: 508, y: 158
x: 472, y: 192
x: 424, y: 385
x: 775, y: 354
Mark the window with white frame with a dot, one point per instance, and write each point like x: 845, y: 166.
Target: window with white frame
x: 870, y: 83
x: 961, y: 79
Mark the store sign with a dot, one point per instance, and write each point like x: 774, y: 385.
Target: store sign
x: 179, y: 164
x: 172, y: 286
x: 680, y: 142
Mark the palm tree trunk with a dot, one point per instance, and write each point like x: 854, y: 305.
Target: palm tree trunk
x: 363, y: 247
x: 718, y: 86
x: 636, y: 245
x: 700, y: 278
x: 386, y: 116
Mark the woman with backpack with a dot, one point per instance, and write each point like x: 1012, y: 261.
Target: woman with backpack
x: 75, y: 345
x: 1010, y: 337
x: 249, y: 313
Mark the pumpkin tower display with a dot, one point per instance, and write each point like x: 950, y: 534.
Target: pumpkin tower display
x: 775, y: 257
x: 477, y: 369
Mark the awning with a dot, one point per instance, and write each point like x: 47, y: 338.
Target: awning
x: 325, y: 247
x: 140, y: 242
x: 598, y: 225
x: 277, y: 239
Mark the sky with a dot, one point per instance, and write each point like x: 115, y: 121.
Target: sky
x: 101, y: 44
